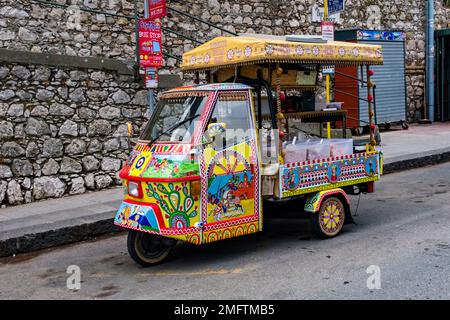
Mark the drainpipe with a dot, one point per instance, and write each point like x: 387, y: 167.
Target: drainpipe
x: 430, y: 61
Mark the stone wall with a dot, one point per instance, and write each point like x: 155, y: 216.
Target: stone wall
x: 28, y: 26
x: 63, y: 131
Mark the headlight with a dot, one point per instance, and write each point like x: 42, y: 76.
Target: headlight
x: 133, y: 189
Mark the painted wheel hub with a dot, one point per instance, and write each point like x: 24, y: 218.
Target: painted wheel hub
x: 332, y: 216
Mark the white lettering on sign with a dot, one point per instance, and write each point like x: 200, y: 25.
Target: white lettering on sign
x: 374, y: 17
x: 318, y: 14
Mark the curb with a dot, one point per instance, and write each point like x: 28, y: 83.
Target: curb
x: 76, y: 233
x: 57, y: 237
x: 415, y: 163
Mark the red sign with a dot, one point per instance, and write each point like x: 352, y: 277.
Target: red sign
x: 156, y: 9
x: 150, y: 50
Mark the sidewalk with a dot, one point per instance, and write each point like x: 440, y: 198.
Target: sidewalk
x: 55, y: 222
x: 419, y: 146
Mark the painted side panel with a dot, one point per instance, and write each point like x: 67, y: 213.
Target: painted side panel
x: 231, y: 188
x: 328, y: 174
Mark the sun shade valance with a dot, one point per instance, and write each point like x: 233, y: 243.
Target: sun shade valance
x: 236, y: 51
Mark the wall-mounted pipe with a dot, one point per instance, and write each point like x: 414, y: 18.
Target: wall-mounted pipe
x: 430, y: 60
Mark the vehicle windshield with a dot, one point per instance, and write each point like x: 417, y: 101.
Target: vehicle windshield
x: 169, y: 113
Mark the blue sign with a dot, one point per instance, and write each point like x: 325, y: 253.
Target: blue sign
x: 335, y: 6
x: 374, y: 35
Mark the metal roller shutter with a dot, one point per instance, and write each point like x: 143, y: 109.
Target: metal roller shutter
x: 391, y: 85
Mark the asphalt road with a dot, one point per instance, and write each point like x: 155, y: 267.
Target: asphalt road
x: 404, y: 229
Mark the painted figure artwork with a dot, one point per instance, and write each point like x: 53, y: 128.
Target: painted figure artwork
x: 228, y: 195
x: 231, y: 184
x: 291, y: 179
x: 371, y: 167
x: 333, y: 174
x: 137, y: 217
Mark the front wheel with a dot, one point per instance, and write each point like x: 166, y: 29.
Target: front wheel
x: 329, y: 221
x: 148, y: 249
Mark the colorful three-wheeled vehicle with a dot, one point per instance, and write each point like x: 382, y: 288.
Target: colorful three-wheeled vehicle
x: 213, y: 155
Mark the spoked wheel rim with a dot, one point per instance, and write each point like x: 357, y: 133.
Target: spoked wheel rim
x: 332, y: 217
x: 151, y: 247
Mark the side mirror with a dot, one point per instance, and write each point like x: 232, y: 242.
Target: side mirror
x: 214, y: 130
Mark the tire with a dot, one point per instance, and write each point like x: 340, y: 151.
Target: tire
x: 331, y: 208
x: 405, y: 125
x: 149, y: 249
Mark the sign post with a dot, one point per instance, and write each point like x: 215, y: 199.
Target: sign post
x: 327, y: 76
x: 150, y: 46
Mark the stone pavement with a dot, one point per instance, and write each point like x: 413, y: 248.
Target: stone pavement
x: 54, y: 222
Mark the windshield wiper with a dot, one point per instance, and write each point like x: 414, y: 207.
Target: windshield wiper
x: 172, y: 128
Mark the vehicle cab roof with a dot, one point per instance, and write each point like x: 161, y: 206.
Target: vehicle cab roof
x: 208, y: 87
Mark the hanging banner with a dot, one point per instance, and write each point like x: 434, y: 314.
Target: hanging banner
x: 156, y: 9
x: 151, y: 78
x: 150, y: 36
x: 328, y: 30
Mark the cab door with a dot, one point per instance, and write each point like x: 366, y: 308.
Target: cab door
x: 231, y: 170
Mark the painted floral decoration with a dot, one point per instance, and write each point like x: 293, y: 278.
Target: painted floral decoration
x: 175, y: 202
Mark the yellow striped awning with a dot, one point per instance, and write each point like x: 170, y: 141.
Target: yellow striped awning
x: 225, y: 52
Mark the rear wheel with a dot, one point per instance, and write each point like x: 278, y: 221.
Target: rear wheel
x: 149, y: 249
x: 329, y: 221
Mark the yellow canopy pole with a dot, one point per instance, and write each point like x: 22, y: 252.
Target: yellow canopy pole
x: 280, y: 116
x: 373, y: 142
x: 327, y: 77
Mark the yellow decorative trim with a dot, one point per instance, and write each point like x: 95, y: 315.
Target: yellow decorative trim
x: 226, y: 52
x: 287, y: 194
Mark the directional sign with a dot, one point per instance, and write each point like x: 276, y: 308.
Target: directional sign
x: 335, y: 6
x: 157, y: 9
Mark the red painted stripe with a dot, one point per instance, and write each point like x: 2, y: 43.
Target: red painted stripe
x: 128, y: 177
x: 235, y: 220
